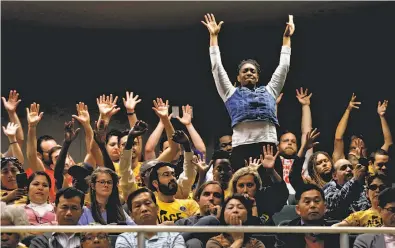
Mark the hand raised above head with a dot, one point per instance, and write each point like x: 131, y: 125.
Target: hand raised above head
x: 211, y: 24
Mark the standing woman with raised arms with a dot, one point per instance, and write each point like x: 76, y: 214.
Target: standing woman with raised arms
x: 252, y: 108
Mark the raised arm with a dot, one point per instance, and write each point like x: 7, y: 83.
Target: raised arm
x: 70, y: 134
x: 100, y: 138
x: 83, y: 118
x: 338, y: 149
x: 127, y: 181
x: 224, y: 87
x: 187, y: 121
x: 187, y: 177
x: 277, y: 81
x: 14, y: 148
x: 161, y: 109
x: 381, y: 109
x: 33, y: 118
x: 130, y: 103
x: 304, y: 99
x: 11, y: 106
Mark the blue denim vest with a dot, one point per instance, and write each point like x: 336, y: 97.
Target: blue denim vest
x: 251, y: 105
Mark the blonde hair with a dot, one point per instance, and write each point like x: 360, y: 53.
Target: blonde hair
x: 241, y: 173
x: 16, y: 215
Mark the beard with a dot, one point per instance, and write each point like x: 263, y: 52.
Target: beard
x: 326, y: 176
x: 169, y: 189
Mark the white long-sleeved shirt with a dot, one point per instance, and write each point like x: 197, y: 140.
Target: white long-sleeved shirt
x: 250, y: 132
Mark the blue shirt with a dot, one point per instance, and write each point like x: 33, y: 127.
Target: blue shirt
x: 87, y: 218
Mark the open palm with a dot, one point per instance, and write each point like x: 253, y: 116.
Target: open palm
x: 211, y: 24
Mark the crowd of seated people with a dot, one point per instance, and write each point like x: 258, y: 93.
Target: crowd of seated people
x: 254, y: 175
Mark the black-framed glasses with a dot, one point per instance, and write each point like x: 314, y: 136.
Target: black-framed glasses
x: 104, y: 182
x: 374, y: 187
x: 390, y: 209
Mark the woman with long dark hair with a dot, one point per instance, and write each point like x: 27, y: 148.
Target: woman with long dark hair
x: 105, y: 205
x: 236, y: 211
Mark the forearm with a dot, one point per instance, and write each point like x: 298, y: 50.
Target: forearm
x: 127, y: 181
x: 213, y: 40
x: 15, y: 149
x: 342, y: 126
x: 60, y: 163
x: 275, y: 176
x: 88, y: 137
x: 386, y: 133
x: 307, y: 123
x: 169, y: 129
x: 286, y: 41
x: 96, y: 154
x: 149, y: 151
x: 19, y: 132
x: 107, y: 162
x: 187, y: 177
x: 31, y: 150
x: 196, y: 139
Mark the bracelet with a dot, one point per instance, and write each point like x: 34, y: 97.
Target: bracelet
x: 130, y: 113
x: 13, y: 142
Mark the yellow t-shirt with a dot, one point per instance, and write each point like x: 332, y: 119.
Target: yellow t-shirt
x: 136, y: 172
x: 227, y: 193
x: 21, y: 201
x: 366, y: 218
x: 179, y: 209
x: 116, y: 166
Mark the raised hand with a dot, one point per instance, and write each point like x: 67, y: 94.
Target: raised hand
x: 382, y: 108
x: 180, y: 137
x: 278, y: 100
x: 12, y: 102
x: 130, y: 102
x: 353, y: 104
x: 33, y: 114
x: 211, y: 24
x: 253, y: 163
x: 107, y: 105
x: 201, y: 165
x: 310, y: 138
x: 161, y: 108
x: 10, y: 131
x: 83, y: 116
x: 290, y: 29
x: 303, y: 96
x: 359, y: 148
x: 268, y: 159
x: 186, y: 115
x: 100, y: 132
x: 70, y: 134
x: 139, y: 129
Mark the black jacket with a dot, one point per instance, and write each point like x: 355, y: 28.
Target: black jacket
x: 297, y: 240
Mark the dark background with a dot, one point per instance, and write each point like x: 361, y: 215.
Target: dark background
x: 333, y: 55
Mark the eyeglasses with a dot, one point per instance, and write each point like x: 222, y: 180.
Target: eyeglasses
x: 104, y: 182
x: 90, y: 238
x: 374, y: 187
x: 344, y: 167
x: 390, y: 209
x: 168, y: 174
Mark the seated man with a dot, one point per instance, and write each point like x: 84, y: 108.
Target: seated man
x: 68, y: 209
x: 144, y: 211
x: 311, y: 208
x: 210, y: 197
x: 387, y: 213
x: 344, y: 194
x: 163, y: 181
x: 371, y: 217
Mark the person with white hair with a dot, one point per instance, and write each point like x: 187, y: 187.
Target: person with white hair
x: 12, y: 216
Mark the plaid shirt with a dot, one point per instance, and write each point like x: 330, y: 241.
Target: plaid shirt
x: 341, y: 201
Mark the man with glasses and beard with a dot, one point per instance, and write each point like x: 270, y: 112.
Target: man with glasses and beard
x: 163, y: 181
x: 344, y: 194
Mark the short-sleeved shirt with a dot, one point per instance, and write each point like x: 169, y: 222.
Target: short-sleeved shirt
x: 367, y: 218
x: 179, y: 209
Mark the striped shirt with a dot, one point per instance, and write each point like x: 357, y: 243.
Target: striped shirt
x: 72, y: 241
